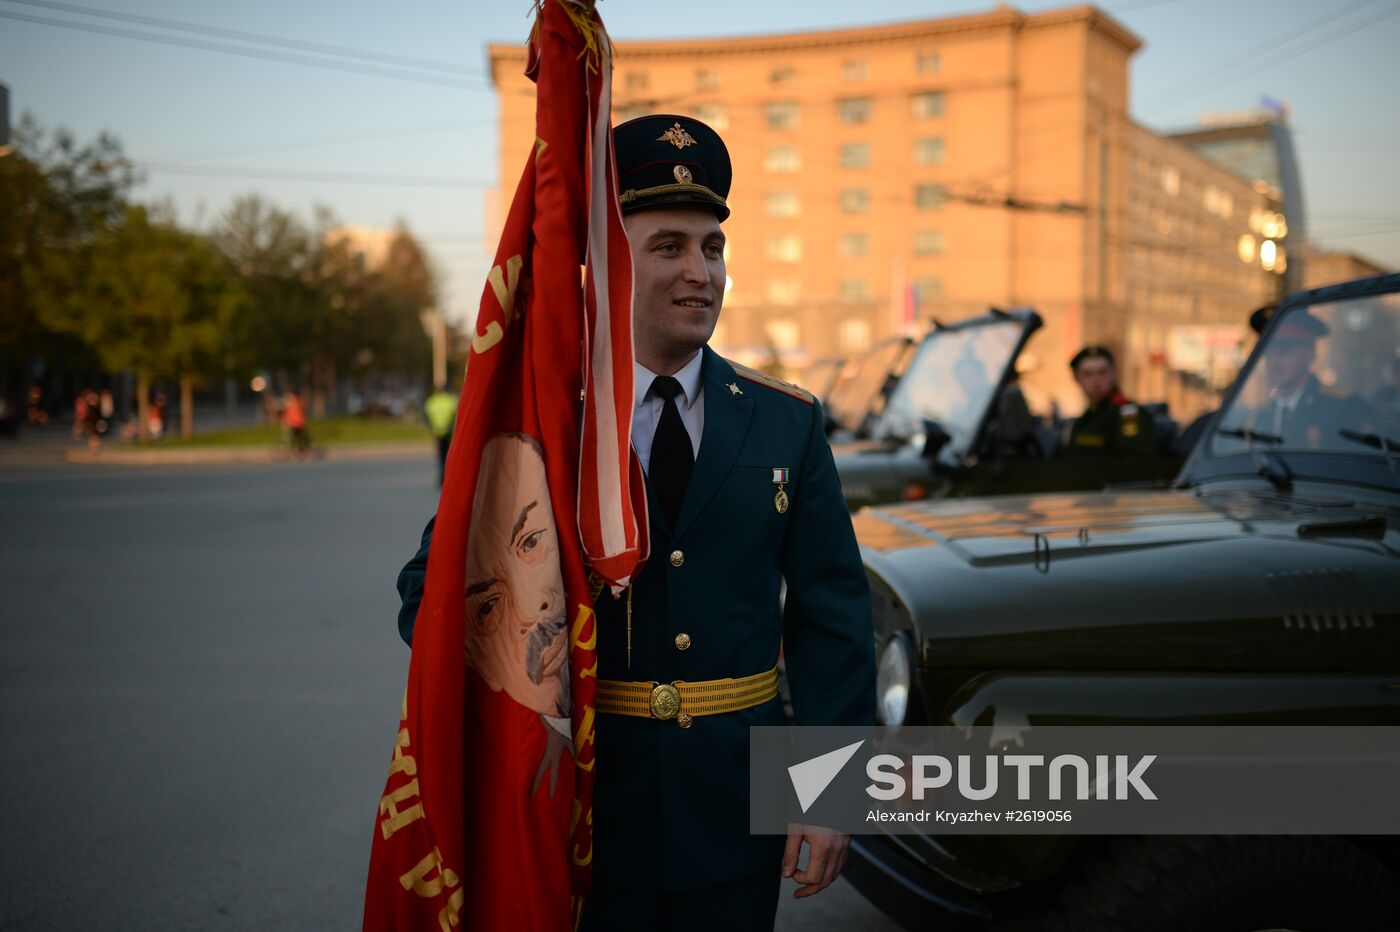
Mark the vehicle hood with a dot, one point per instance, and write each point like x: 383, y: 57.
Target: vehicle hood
x: 1079, y: 577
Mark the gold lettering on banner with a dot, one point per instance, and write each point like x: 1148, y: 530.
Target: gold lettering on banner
x: 389, y: 806
x: 540, y: 146
x: 402, y: 763
x: 584, y: 738
x: 505, y: 284
x: 451, y: 914
x: 428, y: 877
x: 585, y: 615
x: 584, y: 858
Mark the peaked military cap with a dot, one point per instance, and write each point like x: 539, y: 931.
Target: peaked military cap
x: 665, y: 160
x: 1298, y: 327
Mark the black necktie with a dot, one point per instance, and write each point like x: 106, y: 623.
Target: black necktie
x: 672, y: 457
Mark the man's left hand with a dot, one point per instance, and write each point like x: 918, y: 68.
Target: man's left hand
x: 826, y: 856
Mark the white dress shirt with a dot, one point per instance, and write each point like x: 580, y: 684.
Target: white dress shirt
x: 690, y: 403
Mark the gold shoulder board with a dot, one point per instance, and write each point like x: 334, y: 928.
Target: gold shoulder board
x: 763, y: 378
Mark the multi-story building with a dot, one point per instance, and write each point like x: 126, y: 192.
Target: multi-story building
x: 888, y: 175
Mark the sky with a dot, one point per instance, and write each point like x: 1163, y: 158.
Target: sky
x: 378, y: 148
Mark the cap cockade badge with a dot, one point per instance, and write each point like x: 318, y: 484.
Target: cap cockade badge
x: 683, y: 175
x: 678, y: 137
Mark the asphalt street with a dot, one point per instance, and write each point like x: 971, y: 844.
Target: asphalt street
x: 199, y: 681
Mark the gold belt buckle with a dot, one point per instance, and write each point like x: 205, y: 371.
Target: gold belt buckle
x: 665, y: 701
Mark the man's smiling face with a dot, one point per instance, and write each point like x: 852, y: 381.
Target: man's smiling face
x: 516, y: 633
x: 678, y: 273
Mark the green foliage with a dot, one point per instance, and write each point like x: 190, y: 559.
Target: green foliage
x: 85, y: 276
x: 145, y: 296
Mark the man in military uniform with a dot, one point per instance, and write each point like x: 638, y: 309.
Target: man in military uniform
x: 742, y: 495
x: 1111, y: 425
x: 1300, y: 411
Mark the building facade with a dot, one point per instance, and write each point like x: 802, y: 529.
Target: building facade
x: 886, y: 176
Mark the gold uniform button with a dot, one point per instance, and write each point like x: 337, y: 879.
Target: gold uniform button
x: 677, y: 558
x: 684, y: 720
x: 682, y: 641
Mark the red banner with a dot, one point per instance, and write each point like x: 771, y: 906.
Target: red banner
x: 486, y: 818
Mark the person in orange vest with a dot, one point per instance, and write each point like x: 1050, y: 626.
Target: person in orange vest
x: 294, y: 421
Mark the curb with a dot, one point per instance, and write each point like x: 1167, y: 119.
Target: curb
x: 254, y: 454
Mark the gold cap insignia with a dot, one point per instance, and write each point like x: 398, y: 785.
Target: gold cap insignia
x: 682, y: 174
x: 677, y: 137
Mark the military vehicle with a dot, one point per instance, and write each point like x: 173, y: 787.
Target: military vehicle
x: 950, y: 426
x: 1262, y: 588
x: 859, y: 394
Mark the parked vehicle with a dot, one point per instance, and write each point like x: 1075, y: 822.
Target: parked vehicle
x: 945, y: 431
x: 1262, y: 588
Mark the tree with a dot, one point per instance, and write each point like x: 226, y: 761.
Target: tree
x: 148, y: 297
x: 56, y: 196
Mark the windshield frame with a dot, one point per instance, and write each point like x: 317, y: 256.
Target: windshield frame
x: 1363, y: 466
x: 1029, y: 322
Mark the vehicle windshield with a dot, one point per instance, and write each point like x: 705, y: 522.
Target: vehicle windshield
x: 855, y: 397
x: 952, y: 380
x: 1328, y: 380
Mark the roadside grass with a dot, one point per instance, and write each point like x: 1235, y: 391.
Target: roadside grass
x: 327, y: 432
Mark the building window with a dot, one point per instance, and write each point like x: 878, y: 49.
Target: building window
x: 855, y: 290
x: 786, y: 248
x: 784, y: 291
x: 854, y: 70
x: 926, y: 63
x: 928, y: 242
x: 928, y: 292
x: 926, y: 104
x: 636, y: 82
x: 783, y: 204
x: 853, y: 335
x: 853, y: 110
x: 781, y: 76
x: 630, y: 112
x: 715, y: 115
x: 782, y: 159
x: 928, y: 196
x: 706, y: 79
x: 780, y: 114
x: 855, y: 155
x: 1171, y: 180
x: 855, y: 200
x: 853, y: 245
x: 785, y: 333
x: 929, y: 150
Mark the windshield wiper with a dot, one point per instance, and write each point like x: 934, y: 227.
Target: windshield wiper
x: 1276, y: 471
x: 1250, y: 436
x: 1384, y: 444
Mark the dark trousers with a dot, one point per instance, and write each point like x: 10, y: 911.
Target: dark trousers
x: 443, y: 444
x: 746, y: 905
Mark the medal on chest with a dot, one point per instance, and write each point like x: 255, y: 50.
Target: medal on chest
x: 780, y: 479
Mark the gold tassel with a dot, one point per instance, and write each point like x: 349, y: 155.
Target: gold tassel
x: 596, y: 45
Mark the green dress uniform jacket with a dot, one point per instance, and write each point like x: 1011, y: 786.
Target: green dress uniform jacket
x: 1115, y: 427
x: 671, y: 805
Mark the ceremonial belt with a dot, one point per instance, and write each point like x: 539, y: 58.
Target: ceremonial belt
x: 681, y: 700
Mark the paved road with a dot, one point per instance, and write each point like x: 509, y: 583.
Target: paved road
x: 199, y: 679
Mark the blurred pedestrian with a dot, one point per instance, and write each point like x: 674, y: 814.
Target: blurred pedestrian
x: 441, y: 411
x: 9, y: 418
x: 106, y: 410
x: 35, y: 412
x: 80, y: 414
x: 294, y: 421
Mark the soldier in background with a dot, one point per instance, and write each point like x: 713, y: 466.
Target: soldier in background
x: 1111, y: 425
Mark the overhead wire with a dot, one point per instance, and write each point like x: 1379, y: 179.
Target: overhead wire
x: 441, y: 80
x: 257, y: 37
